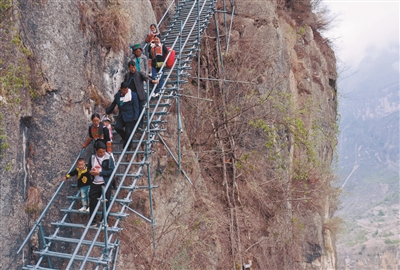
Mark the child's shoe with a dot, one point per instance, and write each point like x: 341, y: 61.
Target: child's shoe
x: 83, y: 209
x: 88, y: 210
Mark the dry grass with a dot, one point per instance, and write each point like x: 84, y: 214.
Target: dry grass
x: 110, y: 25
x: 334, y: 225
x: 33, y: 202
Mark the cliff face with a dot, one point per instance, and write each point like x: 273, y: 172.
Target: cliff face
x: 258, y: 154
x: 73, y: 76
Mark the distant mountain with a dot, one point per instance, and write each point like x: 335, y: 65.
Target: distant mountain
x: 369, y: 159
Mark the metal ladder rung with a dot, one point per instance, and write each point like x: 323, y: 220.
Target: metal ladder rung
x: 83, y: 226
x: 133, y: 141
x: 137, y: 187
x: 74, y: 211
x: 156, y: 121
x: 160, y: 105
x: 180, y: 81
x: 78, y: 198
x: 161, y: 113
x: 76, y: 241
x: 34, y: 267
x: 68, y: 256
x: 133, y: 163
x: 129, y: 152
x: 129, y: 175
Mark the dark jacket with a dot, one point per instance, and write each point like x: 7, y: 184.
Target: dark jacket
x: 103, y: 132
x: 84, y: 177
x: 129, y: 111
x: 107, y: 166
x: 135, y: 81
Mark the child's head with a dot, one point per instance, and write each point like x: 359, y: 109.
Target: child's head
x: 81, y: 164
x: 95, y: 119
x: 106, y: 121
x: 153, y: 28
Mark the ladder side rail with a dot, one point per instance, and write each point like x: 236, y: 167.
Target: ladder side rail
x: 189, y: 13
x: 161, y: 20
x: 83, y: 236
x: 128, y: 167
x: 165, y: 14
x: 99, y: 203
x: 230, y: 27
x: 192, y: 28
x: 90, y: 249
x: 116, y: 255
x: 143, y: 112
x: 48, y: 245
x: 105, y: 216
x: 44, y: 212
x: 112, y: 202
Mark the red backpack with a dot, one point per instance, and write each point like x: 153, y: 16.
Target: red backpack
x: 171, y: 59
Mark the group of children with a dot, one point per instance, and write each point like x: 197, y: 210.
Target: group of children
x: 101, y: 130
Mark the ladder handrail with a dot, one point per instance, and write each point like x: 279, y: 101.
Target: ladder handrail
x: 48, y: 205
x: 161, y: 20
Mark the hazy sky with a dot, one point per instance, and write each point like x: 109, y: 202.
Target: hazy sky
x: 360, y: 25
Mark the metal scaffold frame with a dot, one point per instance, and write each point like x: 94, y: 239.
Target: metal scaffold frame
x: 97, y: 246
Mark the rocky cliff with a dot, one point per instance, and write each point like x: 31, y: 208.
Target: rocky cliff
x: 258, y: 138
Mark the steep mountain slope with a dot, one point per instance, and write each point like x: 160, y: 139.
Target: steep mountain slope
x: 368, y: 162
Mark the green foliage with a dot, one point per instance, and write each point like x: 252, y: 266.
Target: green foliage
x: 31, y: 209
x: 8, y: 167
x: 301, y: 30
x: 14, y: 67
x: 13, y: 80
x: 391, y: 242
x: 5, y: 5
x: 386, y: 234
x: 296, y: 222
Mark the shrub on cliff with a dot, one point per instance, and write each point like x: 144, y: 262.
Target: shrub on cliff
x: 109, y: 25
